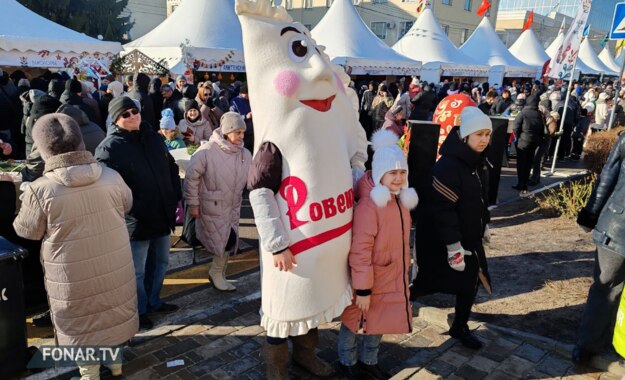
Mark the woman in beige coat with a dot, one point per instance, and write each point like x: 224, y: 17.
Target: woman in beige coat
x: 78, y: 209
x: 213, y: 189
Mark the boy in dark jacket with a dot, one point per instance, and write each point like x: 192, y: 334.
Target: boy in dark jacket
x: 579, y: 134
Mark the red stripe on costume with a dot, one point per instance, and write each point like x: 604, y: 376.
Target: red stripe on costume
x: 316, y: 240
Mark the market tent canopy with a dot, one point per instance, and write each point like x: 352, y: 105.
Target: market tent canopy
x: 527, y: 49
x: 427, y: 42
x: 205, y: 35
x: 552, y: 51
x: 606, y: 57
x: 485, y: 47
x: 30, y: 40
x: 349, y: 42
x: 590, y: 58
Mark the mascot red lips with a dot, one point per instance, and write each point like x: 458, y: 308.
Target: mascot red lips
x: 323, y: 105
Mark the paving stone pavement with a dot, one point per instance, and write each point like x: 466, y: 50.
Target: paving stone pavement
x: 216, y: 336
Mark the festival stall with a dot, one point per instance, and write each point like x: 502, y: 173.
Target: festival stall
x: 427, y: 42
x: 350, y: 43
x: 606, y: 57
x: 591, y: 59
x: 28, y: 40
x: 486, y: 48
x: 581, y: 66
x: 200, y: 35
x: 527, y: 49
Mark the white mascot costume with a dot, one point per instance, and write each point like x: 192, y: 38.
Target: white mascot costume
x: 308, y: 149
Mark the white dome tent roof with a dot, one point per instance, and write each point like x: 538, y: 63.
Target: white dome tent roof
x: 349, y: 42
x: 590, y: 58
x: 485, y: 47
x: 30, y: 40
x: 552, y: 50
x: 527, y: 49
x: 427, y: 42
x: 606, y: 57
x: 210, y: 31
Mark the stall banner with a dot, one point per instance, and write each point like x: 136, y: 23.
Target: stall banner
x: 447, y: 114
x: 47, y: 59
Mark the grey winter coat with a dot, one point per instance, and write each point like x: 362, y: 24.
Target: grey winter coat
x: 214, y: 182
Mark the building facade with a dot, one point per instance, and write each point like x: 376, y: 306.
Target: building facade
x: 600, y: 17
x: 546, y: 27
x: 146, y: 15
x: 391, y: 19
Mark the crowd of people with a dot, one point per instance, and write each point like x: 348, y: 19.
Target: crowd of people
x: 101, y: 190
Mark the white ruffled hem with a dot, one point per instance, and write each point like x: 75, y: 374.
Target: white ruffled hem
x: 284, y: 329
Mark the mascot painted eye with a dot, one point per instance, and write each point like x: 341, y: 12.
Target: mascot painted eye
x: 298, y: 49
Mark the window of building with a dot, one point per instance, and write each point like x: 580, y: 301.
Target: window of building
x: 445, y: 29
x: 467, y: 5
x: 380, y: 1
x: 308, y: 3
x: 447, y: 2
x: 404, y: 27
x: 379, y: 29
x: 289, y: 4
x: 464, y: 34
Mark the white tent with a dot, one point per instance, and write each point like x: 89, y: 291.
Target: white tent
x: 349, y: 42
x: 527, y: 49
x: 427, y: 42
x: 485, y: 47
x: 581, y: 66
x: 29, y: 40
x: 606, y: 57
x: 209, y: 32
x: 590, y: 58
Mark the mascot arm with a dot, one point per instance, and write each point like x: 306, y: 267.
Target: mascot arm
x: 264, y: 180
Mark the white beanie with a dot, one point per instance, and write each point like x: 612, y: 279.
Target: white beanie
x: 388, y: 156
x: 472, y: 119
x: 167, y: 119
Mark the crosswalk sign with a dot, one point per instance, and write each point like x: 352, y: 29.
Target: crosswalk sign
x: 617, y: 31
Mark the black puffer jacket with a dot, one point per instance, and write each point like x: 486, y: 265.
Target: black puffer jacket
x: 146, y: 166
x: 140, y: 93
x: 605, y: 210
x: 529, y: 125
x: 455, y: 211
x: 501, y: 105
x: 423, y: 103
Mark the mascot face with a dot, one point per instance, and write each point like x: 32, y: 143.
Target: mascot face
x: 289, y: 74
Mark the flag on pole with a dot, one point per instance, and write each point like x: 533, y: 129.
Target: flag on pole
x: 562, y: 65
x: 586, y: 31
x: 604, y: 40
x: 481, y: 11
x: 619, y: 46
x: 421, y: 5
x: 562, y: 26
x: 529, y: 22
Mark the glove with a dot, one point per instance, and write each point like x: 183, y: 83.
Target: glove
x: 455, y: 256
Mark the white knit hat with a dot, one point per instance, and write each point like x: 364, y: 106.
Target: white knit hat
x: 388, y: 156
x: 472, y: 119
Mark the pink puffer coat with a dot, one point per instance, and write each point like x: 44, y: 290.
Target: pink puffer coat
x: 214, y: 181
x: 379, y: 260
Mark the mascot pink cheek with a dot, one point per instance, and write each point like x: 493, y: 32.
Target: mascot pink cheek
x: 339, y: 83
x: 286, y: 83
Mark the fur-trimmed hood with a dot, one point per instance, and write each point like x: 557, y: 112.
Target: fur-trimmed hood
x: 380, y: 194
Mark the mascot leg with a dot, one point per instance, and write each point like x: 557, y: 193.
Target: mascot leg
x: 276, y: 358
x: 304, y: 354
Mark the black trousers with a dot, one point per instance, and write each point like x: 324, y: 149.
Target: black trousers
x: 525, y: 161
x: 539, y: 158
x: 464, y: 303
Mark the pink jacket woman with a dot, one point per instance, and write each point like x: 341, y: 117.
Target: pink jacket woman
x: 379, y: 261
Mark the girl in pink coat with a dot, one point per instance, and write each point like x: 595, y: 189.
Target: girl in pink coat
x: 379, y: 259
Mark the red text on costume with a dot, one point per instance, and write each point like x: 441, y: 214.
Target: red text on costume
x: 294, y: 191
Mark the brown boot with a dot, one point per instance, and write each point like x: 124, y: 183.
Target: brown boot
x: 304, y: 354
x: 276, y: 358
